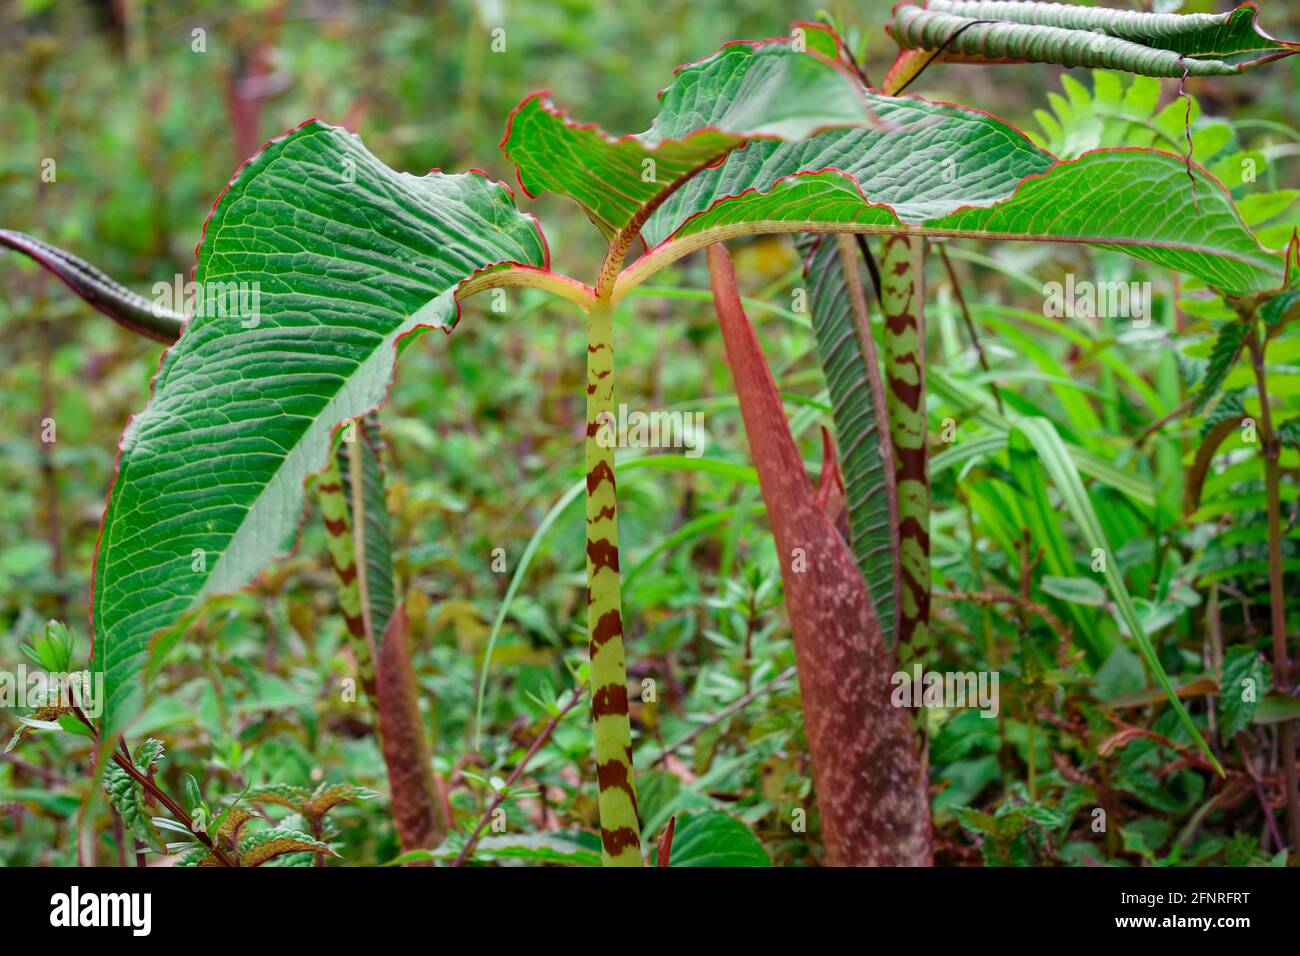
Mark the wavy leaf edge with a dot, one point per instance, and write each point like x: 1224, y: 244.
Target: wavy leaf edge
x: 676, y: 245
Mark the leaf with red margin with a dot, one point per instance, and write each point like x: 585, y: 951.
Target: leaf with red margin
x: 945, y: 170
x: 331, y: 257
x: 1138, y: 201
x: 770, y: 89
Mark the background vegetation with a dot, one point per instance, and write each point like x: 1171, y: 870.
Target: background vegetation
x: 484, y: 433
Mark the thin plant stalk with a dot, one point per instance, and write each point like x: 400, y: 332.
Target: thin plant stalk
x: 1272, y: 448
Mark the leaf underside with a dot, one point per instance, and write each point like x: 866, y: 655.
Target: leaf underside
x: 346, y: 256
x: 943, y: 170
x: 849, y: 380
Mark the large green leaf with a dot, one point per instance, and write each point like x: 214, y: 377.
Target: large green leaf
x: 923, y: 160
x: 348, y: 256
x: 1135, y: 200
x: 910, y: 166
x: 1152, y: 44
x: 837, y: 302
x: 745, y: 91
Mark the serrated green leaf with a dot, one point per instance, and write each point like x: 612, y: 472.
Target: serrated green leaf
x: 1246, y: 679
x: 281, y: 794
x: 976, y: 821
x: 148, y: 754
x: 327, y: 796
x: 266, y: 845
x: 953, y: 157
x: 1227, y: 346
x: 127, y: 798
x: 744, y: 91
x: 199, y: 856
x: 1281, y: 308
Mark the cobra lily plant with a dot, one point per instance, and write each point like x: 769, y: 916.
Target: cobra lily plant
x: 353, y: 259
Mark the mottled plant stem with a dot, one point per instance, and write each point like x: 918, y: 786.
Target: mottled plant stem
x: 347, y: 563
x: 903, y: 295
x: 619, y: 824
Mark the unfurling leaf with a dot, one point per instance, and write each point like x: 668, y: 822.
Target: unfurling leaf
x: 846, y: 347
x: 108, y: 296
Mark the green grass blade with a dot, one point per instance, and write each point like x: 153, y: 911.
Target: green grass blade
x: 1040, y: 434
